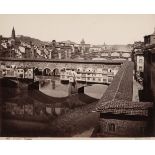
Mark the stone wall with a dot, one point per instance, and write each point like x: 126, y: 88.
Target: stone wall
x: 121, y: 128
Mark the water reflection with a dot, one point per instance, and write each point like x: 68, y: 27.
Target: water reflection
x: 23, y: 107
x: 95, y: 90
x: 55, y: 88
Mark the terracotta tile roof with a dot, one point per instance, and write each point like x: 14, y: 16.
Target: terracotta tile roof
x: 129, y: 108
x: 126, y: 107
x: 118, y: 96
x: 119, y: 86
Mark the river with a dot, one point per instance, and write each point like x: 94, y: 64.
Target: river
x: 44, y: 106
x: 55, y: 88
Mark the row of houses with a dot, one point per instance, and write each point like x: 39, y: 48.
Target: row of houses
x: 29, y: 50
x: 60, y: 51
x: 99, y: 75
x: 14, y: 47
x: 16, y: 72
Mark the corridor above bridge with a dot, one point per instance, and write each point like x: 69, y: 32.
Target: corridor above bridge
x: 119, y: 61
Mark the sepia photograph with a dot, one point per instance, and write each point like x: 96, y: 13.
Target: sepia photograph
x: 77, y: 75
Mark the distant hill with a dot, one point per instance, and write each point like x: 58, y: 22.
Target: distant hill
x: 27, y: 39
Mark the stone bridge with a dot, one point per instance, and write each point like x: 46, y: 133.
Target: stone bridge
x: 53, y: 65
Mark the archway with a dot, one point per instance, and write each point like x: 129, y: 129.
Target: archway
x: 56, y: 72
x: 37, y: 71
x: 47, y: 72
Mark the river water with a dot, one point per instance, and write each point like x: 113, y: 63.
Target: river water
x: 24, y: 111
x: 55, y: 88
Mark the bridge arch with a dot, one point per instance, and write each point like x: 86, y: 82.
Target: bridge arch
x: 47, y: 72
x: 38, y: 71
x: 56, y: 72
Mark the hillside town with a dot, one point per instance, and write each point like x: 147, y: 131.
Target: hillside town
x: 18, y: 46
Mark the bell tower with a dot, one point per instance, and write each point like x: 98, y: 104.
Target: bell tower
x: 13, y: 34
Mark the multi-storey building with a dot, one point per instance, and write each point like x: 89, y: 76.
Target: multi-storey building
x: 17, y: 72
x: 149, y: 72
x: 138, y: 59
x: 149, y: 39
x: 89, y: 75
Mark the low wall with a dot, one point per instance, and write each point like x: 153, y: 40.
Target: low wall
x: 121, y: 128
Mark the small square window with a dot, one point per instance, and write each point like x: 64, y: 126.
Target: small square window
x: 111, y: 127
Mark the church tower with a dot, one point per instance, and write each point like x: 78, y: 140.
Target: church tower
x: 13, y: 34
x: 82, y: 42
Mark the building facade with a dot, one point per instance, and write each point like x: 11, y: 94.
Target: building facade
x: 138, y: 59
x: 149, y: 70
x: 89, y: 74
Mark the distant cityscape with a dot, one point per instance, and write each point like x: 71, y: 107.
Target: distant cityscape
x: 18, y: 46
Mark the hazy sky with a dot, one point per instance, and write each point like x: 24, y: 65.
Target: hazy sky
x: 95, y: 29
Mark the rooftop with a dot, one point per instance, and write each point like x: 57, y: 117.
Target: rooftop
x: 119, y: 84
x: 118, y: 97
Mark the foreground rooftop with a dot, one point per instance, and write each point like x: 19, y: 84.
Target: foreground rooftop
x: 118, y: 97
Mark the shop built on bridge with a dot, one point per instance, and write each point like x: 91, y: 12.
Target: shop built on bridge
x: 68, y: 70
